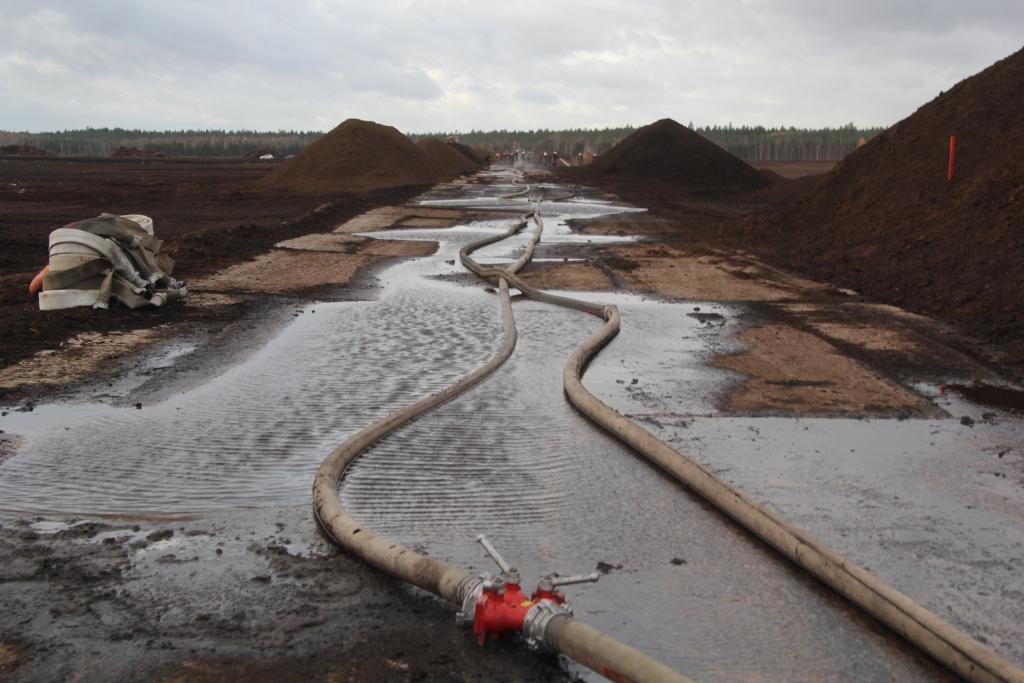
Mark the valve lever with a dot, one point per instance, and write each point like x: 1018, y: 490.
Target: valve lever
x: 495, y: 555
x: 557, y: 581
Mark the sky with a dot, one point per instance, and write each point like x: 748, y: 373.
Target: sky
x: 447, y: 65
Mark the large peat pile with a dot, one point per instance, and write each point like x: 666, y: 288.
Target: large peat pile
x: 666, y: 152
x: 444, y: 157
x: 887, y: 223
x: 357, y: 156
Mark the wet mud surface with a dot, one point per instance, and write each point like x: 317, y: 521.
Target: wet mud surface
x: 208, y: 210
x: 213, y: 566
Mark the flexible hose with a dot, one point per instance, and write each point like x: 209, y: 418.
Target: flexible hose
x: 953, y: 648
x: 585, y: 644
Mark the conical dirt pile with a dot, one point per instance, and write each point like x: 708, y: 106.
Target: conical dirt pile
x: 357, y: 156
x: 887, y: 222
x: 446, y: 158
x: 666, y: 151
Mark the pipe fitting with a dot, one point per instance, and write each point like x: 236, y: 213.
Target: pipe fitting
x: 472, y: 590
x: 538, y: 618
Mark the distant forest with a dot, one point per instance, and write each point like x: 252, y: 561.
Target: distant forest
x: 100, y: 142
x: 753, y: 143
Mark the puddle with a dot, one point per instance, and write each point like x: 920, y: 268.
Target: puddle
x: 514, y: 460
x: 254, y: 435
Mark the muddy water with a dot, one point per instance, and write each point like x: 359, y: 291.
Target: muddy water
x: 510, y: 459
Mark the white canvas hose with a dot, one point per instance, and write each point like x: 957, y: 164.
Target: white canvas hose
x: 562, y: 633
x: 955, y: 649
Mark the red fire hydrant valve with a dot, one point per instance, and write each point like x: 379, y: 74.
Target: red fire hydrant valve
x: 502, y: 605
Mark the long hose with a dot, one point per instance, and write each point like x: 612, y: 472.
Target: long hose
x: 956, y: 650
x: 585, y: 644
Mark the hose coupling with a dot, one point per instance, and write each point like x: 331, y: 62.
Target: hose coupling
x: 538, y: 618
x: 471, y: 592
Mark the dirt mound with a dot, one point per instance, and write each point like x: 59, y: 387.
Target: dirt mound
x: 471, y: 153
x: 357, y: 156
x: 667, y: 151
x: 887, y: 223
x: 26, y: 151
x: 445, y: 157
x: 124, y: 152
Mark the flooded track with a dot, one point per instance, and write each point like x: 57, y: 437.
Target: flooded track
x: 512, y: 459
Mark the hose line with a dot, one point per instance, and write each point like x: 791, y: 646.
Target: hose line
x: 956, y: 650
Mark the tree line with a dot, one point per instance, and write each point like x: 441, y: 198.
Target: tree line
x: 752, y: 143
x: 199, y: 143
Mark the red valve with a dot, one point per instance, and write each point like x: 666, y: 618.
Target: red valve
x: 501, y: 607
x: 543, y: 593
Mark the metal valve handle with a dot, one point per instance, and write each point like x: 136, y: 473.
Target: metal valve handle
x: 504, y: 566
x: 557, y: 581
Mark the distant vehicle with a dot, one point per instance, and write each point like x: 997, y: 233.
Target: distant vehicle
x: 264, y: 157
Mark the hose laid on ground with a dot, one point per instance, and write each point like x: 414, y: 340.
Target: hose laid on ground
x: 955, y: 649
x: 560, y: 632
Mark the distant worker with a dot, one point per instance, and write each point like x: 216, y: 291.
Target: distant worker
x: 554, y: 158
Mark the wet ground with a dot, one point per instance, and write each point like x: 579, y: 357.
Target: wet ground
x: 225, y: 462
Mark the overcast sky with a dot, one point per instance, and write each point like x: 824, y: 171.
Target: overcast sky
x: 455, y: 65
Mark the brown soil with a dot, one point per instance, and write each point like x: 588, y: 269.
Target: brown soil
x: 845, y: 355
x: 794, y: 372
x: 887, y: 223
x: 205, y: 209
x: 686, y: 273
x: 356, y: 156
x: 675, y: 154
x: 309, y: 262
x: 576, y: 276
x: 1006, y: 398
x: 25, y: 151
x: 123, y: 151
x: 794, y: 169
x: 478, y: 155
x: 450, y: 161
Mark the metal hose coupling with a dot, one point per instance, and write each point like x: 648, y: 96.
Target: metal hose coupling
x: 470, y: 589
x: 538, y: 620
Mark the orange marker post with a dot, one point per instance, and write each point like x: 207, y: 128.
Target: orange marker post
x: 952, y: 158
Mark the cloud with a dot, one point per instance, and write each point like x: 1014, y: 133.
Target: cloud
x: 450, y: 64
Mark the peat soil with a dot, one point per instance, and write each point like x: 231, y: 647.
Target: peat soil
x: 180, y: 599
x: 207, y: 210
x: 730, y: 222
x: 257, y: 594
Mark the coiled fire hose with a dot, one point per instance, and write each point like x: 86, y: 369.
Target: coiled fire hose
x: 956, y: 650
